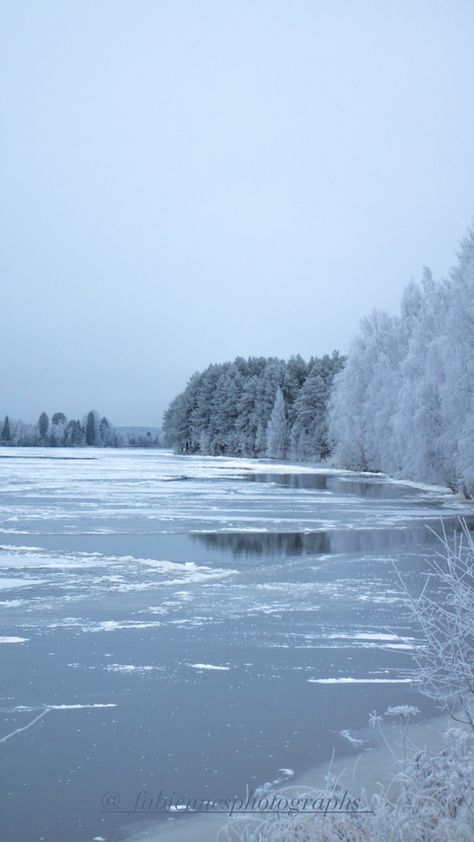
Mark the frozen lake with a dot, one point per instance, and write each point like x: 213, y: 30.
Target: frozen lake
x: 189, y: 625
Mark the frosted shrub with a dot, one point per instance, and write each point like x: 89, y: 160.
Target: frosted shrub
x: 445, y: 613
x: 333, y: 827
x: 431, y: 798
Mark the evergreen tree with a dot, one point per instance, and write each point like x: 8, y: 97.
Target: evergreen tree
x: 227, y: 408
x: 57, y: 430
x: 74, y: 435
x: 246, y: 422
x: 202, y: 410
x: 224, y: 412
x: 309, y: 431
x: 178, y: 429
x: 277, y: 431
x: 104, y: 432
x: 6, y: 430
x: 91, y: 429
x: 43, y: 425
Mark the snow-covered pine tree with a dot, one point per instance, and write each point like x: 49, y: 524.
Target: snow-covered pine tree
x: 43, y: 425
x: 277, y: 430
x: 6, y: 430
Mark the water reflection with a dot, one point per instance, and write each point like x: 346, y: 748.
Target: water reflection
x: 374, y: 487
x: 272, y: 544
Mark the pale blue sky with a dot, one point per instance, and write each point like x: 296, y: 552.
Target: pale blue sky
x: 183, y: 182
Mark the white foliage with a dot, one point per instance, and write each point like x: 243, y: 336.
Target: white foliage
x: 277, y: 430
x: 404, y: 403
x: 445, y: 613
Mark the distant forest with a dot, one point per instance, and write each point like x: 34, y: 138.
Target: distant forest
x: 92, y: 431
x: 403, y: 403
x: 256, y: 407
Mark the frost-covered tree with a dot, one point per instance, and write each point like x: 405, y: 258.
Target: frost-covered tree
x: 277, y: 430
x: 457, y: 389
x: 57, y: 430
x: 6, y: 430
x: 92, y: 427
x: 419, y: 419
x: 202, y: 409
x: 309, y: 433
x: 353, y: 400
x: 43, y: 425
x: 178, y: 428
x: 295, y: 374
x: 74, y: 434
x: 226, y: 409
x: 58, y: 418
x: 61, y: 433
x: 105, y: 433
x: 246, y: 422
x: 404, y: 403
x: 222, y: 427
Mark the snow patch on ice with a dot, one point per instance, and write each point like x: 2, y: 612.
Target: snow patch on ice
x: 349, y: 680
x: 113, y: 625
x: 130, y: 668
x: 13, y: 639
x: 80, y: 707
x: 10, y: 584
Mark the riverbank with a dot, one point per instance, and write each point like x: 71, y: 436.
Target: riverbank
x: 362, y: 772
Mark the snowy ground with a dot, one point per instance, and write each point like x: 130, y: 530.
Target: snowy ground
x: 192, y: 625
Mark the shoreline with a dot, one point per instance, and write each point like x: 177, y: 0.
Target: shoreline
x: 361, y: 773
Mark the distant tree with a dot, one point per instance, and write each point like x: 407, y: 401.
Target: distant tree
x: 104, y: 432
x: 74, y: 434
x: 260, y: 440
x: 58, y: 418
x: 224, y: 412
x: 118, y: 439
x: 91, y: 429
x: 296, y: 372
x: 57, y: 430
x: 271, y: 379
x: 246, y: 423
x: 43, y: 425
x: 177, y: 421
x: 277, y: 430
x: 25, y: 435
x: 6, y: 430
x: 202, y: 411
x: 308, y: 432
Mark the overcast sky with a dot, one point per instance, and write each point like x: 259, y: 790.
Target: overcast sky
x: 185, y: 182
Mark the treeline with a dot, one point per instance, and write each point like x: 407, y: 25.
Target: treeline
x: 92, y: 431
x: 255, y: 407
x: 404, y: 403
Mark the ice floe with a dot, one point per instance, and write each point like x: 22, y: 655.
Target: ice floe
x: 350, y: 680
x: 13, y: 639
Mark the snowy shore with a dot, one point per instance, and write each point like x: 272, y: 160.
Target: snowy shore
x: 361, y: 773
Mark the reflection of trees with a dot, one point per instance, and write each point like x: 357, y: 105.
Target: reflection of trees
x: 273, y: 544
x: 329, y: 482
x: 319, y: 482
x: 266, y: 543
